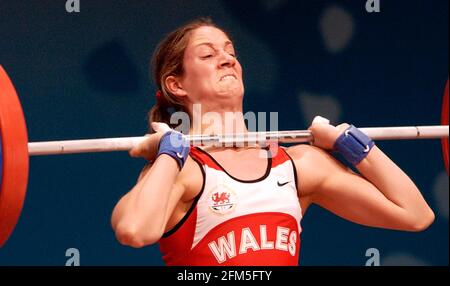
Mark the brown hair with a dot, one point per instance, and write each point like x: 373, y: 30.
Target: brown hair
x: 167, y: 60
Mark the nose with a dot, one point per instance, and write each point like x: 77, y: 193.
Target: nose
x: 227, y: 60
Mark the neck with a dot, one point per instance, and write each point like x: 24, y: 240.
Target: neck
x: 217, y: 120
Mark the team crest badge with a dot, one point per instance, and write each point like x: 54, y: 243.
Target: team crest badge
x: 222, y: 199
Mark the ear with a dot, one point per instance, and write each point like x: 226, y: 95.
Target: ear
x: 173, y: 84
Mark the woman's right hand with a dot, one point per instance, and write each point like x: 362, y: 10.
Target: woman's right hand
x: 148, y: 148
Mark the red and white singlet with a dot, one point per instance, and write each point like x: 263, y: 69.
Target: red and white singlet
x: 237, y: 222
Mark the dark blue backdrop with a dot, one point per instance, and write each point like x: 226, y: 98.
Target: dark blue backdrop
x: 85, y: 75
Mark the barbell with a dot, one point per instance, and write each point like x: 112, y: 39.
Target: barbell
x: 15, y: 148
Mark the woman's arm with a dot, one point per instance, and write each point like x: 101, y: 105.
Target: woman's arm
x: 384, y: 196
x: 140, y: 217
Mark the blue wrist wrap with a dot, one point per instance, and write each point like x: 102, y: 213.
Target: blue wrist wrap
x: 353, y: 145
x: 175, y: 145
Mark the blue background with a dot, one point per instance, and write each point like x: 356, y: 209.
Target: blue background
x: 85, y: 75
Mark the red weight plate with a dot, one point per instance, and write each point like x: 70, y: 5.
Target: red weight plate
x: 13, y: 132
x: 444, y: 121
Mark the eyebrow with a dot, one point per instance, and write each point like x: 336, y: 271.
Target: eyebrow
x: 227, y: 43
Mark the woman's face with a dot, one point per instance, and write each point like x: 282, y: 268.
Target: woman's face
x: 211, y: 69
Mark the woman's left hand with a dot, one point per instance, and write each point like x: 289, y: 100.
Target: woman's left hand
x: 325, y: 134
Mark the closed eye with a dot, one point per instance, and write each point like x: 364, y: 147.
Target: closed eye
x: 206, y: 56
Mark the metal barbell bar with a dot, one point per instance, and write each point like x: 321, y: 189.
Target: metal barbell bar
x: 294, y: 136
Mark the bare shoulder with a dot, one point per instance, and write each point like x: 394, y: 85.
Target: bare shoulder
x: 297, y: 151
x: 191, y: 177
x: 307, y: 154
x: 313, y: 166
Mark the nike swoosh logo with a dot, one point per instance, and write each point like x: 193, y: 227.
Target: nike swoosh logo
x: 282, y: 184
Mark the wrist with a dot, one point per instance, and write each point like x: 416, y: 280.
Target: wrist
x: 353, y: 145
x: 175, y: 145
